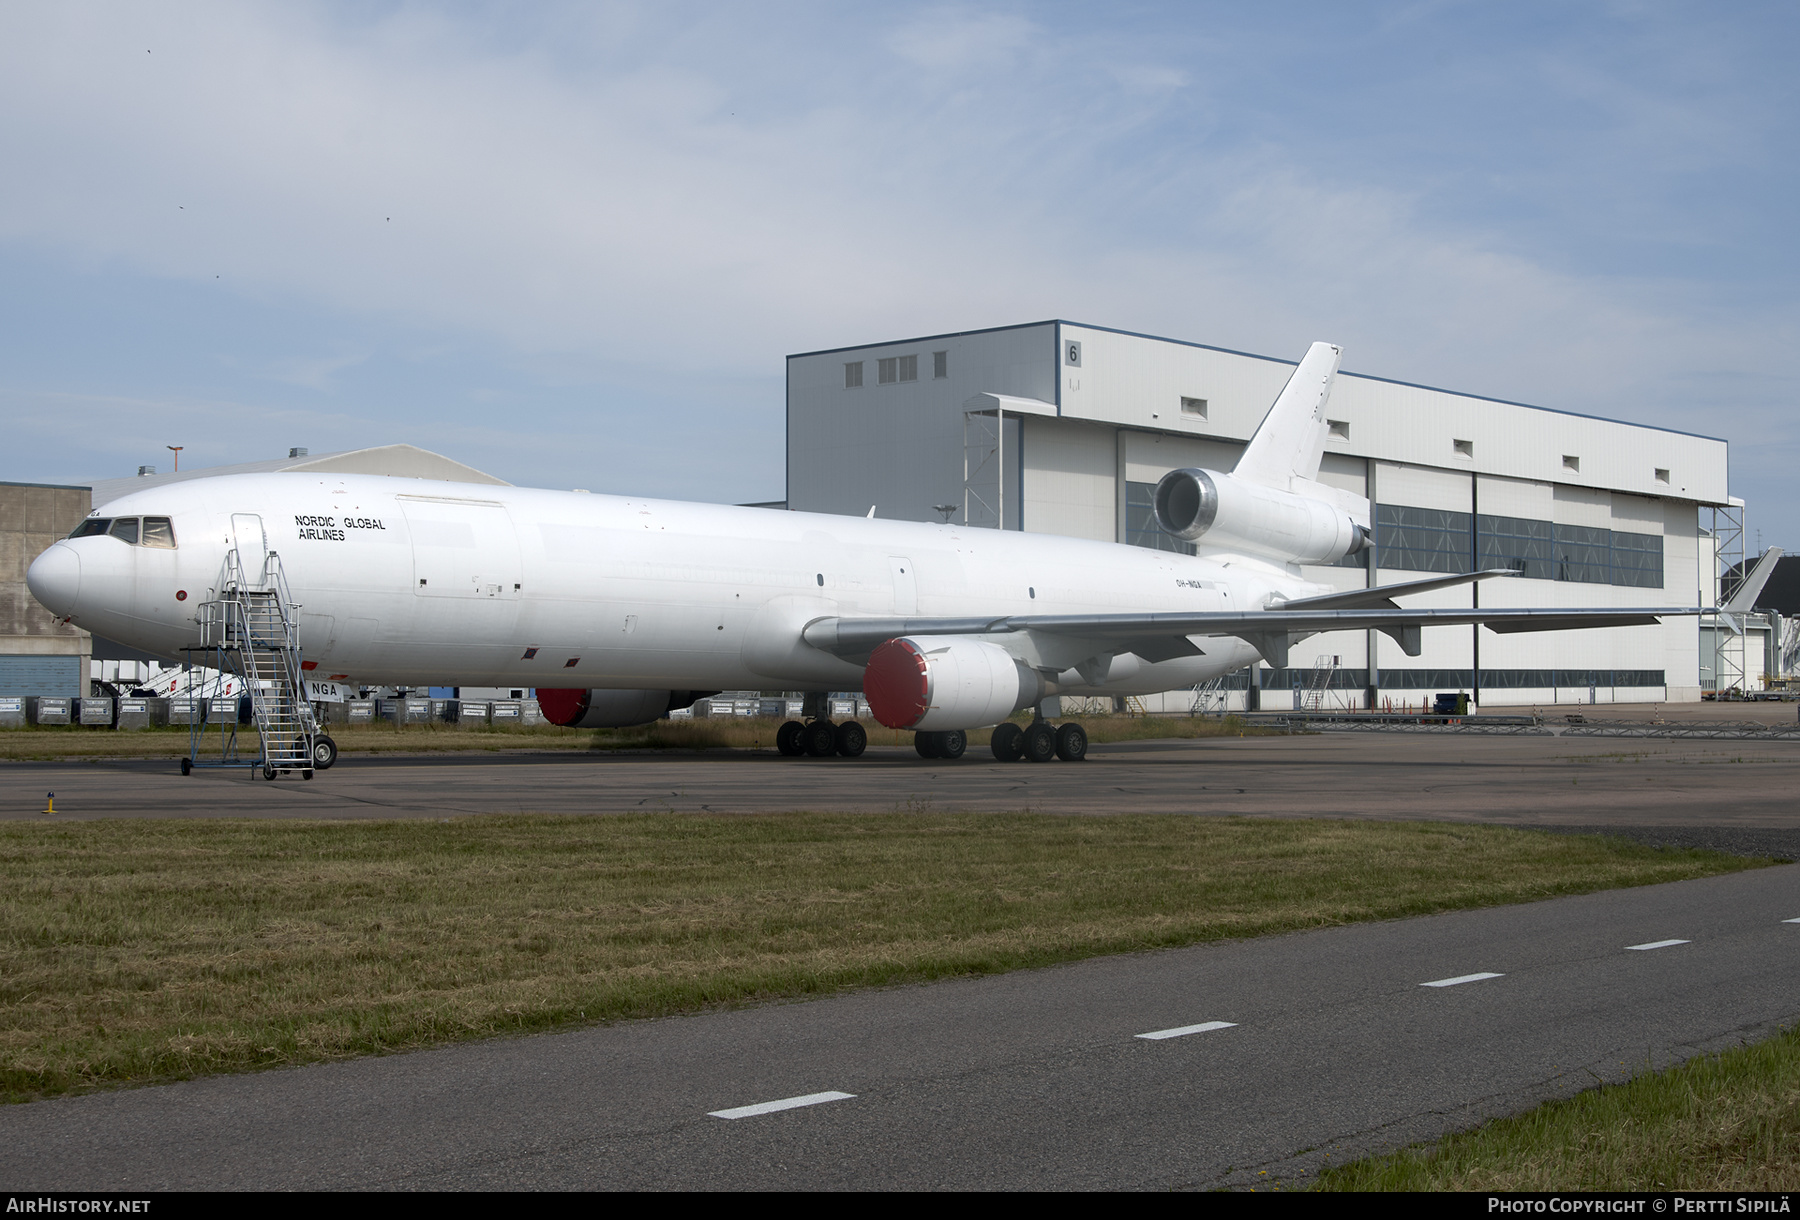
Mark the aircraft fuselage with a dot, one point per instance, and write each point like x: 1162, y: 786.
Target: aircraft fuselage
x: 409, y: 582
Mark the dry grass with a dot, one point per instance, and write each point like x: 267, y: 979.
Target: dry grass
x: 1728, y: 1122
x: 133, y: 951
x: 73, y: 741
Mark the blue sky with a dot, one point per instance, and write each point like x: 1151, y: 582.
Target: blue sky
x: 571, y: 245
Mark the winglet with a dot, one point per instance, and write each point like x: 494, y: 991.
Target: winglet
x: 1291, y: 438
x: 1743, y: 601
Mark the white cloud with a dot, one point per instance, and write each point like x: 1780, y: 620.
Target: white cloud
x: 688, y: 195
x: 959, y: 38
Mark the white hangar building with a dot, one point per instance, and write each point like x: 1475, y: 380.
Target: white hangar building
x: 1063, y: 428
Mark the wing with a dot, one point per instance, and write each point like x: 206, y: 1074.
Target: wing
x: 1161, y: 637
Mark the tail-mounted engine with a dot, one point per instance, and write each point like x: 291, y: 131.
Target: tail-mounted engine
x: 947, y: 683
x: 1231, y: 514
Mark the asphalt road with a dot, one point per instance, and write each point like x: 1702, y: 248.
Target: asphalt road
x: 1546, y: 781
x: 1033, y: 1080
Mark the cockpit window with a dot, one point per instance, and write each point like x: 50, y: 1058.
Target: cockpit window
x: 158, y: 531
x: 153, y: 531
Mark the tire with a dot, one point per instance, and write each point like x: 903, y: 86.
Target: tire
x: 1071, y: 742
x: 952, y: 743
x: 926, y: 744
x: 269, y: 772
x: 187, y: 766
x: 787, y: 739
x: 307, y: 774
x: 324, y: 752
x: 852, y: 739
x: 819, y: 738
x: 1040, y: 742
x: 1008, y: 743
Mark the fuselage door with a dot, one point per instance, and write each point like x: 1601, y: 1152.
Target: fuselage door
x: 466, y: 569
x: 252, y: 546
x: 906, y: 585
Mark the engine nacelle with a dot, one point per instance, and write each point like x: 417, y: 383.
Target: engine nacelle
x: 1234, y: 515
x: 947, y: 682
x: 611, y: 709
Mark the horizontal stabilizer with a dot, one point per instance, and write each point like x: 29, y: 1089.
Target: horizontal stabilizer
x: 1743, y: 600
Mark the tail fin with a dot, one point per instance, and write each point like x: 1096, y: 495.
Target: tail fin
x: 1291, y: 439
x: 1743, y: 601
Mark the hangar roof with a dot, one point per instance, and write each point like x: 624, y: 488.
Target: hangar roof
x: 402, y: 461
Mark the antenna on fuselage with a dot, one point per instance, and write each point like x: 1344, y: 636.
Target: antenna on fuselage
x: 176, y: 450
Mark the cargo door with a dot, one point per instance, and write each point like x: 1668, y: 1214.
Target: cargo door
x: 466, y: 569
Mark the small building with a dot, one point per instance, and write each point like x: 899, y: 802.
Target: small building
x: 1064, y: 428
x: 39, y: 654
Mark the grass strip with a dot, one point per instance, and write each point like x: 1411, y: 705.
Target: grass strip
x: 1725, y: 1122
x: 135, y: 951
x: 749, y: 733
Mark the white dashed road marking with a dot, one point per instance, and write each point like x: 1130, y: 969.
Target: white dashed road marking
x: 1182, y: 1031
x: 1791, y: 921
x: 786, y: 1103
x: 1463, y: 978
x: 1660, y: 944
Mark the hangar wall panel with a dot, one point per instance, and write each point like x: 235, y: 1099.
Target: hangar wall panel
x: 1070, y: 479
x: 1139, y: 382
x: 1345, y: 473
x: 1583, y: 506
x: 35, y: 648
x: 1502, y: 497
x: 1418, y: 487
x: 1151, y: 455
x: 899, y: 445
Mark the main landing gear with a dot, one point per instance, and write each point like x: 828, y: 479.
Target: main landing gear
x: 946, y: 744
x: 1039, y: 741
x: 821, y: 738
x: 817, y: 736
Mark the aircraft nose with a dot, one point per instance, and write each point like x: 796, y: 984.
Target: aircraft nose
x: 55, y: 579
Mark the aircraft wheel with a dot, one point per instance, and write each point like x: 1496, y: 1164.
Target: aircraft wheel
x: 819, y: 738
x: 852, y: 739
x: 1040, y: 742
x: 787, y: 739
x: 952, y: 743
x: 187, y: 766
x: 926, y: 744
x: 1008, y: 742
x: 1071, y: 742
x: 324, y: 752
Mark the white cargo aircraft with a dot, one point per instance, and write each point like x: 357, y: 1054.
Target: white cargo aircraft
x: 618, y: 610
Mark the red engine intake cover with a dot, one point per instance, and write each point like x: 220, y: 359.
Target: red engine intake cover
x: 895, y: 684
x: 564, y: 707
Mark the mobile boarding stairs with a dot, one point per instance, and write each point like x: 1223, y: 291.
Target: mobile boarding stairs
x: 251, y: 630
